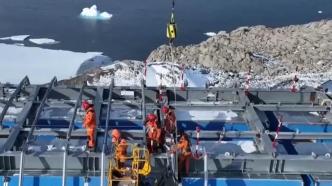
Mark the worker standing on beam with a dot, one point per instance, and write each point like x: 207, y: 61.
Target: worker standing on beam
x: 185, y: 153
x: 169, y: 119
x: 153, y: 132
x: 89, y: 123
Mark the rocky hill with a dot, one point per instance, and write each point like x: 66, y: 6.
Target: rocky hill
x: 269, y: 51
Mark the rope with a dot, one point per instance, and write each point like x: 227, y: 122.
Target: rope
x: 274, y: 143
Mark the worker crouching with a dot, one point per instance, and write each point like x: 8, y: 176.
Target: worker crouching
x: 89, y: 123
x: 153, y: 133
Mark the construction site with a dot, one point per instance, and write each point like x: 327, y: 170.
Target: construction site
x: 235, y: 136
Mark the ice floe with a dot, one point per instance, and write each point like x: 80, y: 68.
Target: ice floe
x: 94, y: 13
x: 16, y: 38
x: 210, y: 34
x: 39, y: 64
x: 43, y: 41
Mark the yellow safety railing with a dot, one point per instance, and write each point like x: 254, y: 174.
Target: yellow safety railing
x: 140, y: 166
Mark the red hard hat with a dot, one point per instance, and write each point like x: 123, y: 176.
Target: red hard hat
x: 151, y: 117
x: 164, y: 109
x: 85, y: 104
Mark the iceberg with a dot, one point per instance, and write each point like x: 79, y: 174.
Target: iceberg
x: 93, y: 13
x: 43, y: 41
x: 16, y: 38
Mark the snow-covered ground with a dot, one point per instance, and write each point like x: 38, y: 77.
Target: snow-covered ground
x: 93, y: 13
x: 16, y: 38
x: 164, y: 73
x: 39, y: 64
x: 43, y: 41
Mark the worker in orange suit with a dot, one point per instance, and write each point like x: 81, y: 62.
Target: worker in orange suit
x: 121, y: 153
x: 169, y: 119
x: 116, y: 136
x: 89, y: 123
x: 153, y: 132
x: 185, y: 153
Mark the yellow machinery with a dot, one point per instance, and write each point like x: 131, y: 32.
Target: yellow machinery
x: 171, y: 29
x: 135, y: 166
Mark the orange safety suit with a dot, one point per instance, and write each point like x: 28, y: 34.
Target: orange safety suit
x: 121, y: 153
x: 90, y: 125
x: 185, y: 153
x: 153, y: 131
x: 170, y: 121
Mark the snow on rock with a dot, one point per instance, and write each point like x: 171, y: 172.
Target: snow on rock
x: 41, y: 65
x: 43, y: 41
x: 93, y: 13
x: 199, y: 115
x: 210, y: 34
x: 125, y: 73
x: 16, y: 38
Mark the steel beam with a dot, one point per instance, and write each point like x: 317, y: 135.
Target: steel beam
x: 14, y: 131
x: 143, y: 111
x: 33, y: 126
x: 71, y: 126
x: 25, y: 81
x: 290, y: 108
x: 264, y: 141
x: 102, y: 174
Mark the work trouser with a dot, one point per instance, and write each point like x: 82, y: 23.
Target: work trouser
x: 90, y: 132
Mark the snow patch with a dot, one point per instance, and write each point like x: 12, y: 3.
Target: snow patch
x: 41, y: 65
x: 247, y: 146
x: 93, y: 13
x: 210, y: 34
x: 202, y: 115
x: 43, y: 41
x: 16, y: 38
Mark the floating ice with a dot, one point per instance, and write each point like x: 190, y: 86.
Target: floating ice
x: 41, y: 65
x: 320, y: 12
x: 94, y: 13
x: 43, y: 41
x: 16, y: 38
x: 210, y: 34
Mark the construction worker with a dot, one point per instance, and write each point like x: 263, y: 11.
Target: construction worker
x: 153, y: 132
x: 89, y: 123
x: 185, y: 153
x: 121, y: 153
x: 169, y: 119
x: 116, y: 136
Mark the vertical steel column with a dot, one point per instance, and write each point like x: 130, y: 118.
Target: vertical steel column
x: 33, y: 126
x: 206, y: 173
x: 102, y: 173
x: 143, y: 112
x: 68, y: 136
x: 25, y: 81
